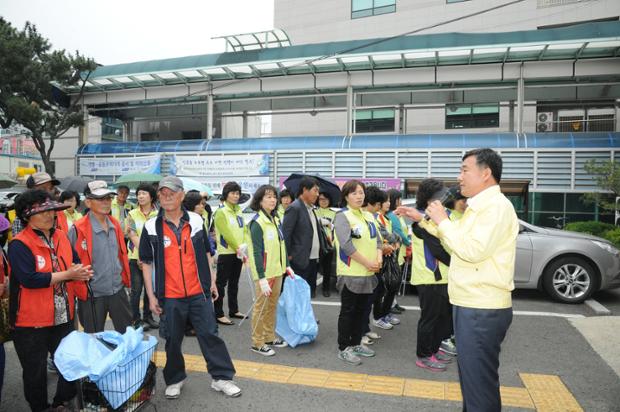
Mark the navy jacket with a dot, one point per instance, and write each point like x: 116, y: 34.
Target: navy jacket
x: 152, y: 249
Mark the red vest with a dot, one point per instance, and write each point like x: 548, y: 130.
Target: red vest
x: 61, y: 221
x: 84, y: 245
x: 180, y: 263
x: 36, y: 306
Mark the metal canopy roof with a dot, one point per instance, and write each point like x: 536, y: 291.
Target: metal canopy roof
x: 592, y: 40
x: 257, y: 40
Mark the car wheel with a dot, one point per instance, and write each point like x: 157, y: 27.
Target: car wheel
x: 570, y: 280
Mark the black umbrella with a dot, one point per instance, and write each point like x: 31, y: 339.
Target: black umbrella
x: 326, y: 186
x: 74, y: 183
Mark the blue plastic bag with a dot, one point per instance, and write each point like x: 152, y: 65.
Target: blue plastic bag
x: 117, y: 372
x: 295, y: 321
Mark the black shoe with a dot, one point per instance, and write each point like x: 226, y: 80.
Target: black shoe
x: 153, y: 324
x: 138, y: 323
x: 395, y: 311
x: 326, y: 292
x: 397, y: 306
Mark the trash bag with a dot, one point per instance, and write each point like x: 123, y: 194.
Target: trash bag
x: 295, y: 321
x: 392, y: 275
x: 115, y: 362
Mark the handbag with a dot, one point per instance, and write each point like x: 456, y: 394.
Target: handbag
x: 325, y: 248
x: 392, y: 275
x: 5, y: 326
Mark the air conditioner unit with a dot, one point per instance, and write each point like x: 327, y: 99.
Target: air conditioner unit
x: 544, y: 122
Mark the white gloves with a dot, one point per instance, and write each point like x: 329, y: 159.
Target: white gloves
x: 242, y: 252
x: 264, y: 287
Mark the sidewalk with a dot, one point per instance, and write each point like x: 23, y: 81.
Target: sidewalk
x: 601, y: 332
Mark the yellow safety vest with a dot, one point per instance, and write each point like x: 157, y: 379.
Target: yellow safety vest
x: 116, y: 211
x: 403, y: 249
x: 139, y: 219
x: 234, y: 227
x: 363, y: 223
x: 274, y: 255
x: 420, y: 274
x: 328, y: 214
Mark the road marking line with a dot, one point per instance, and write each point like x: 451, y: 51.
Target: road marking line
x: 516, y: 312
x: 541, y: 392
x: 597, y: 307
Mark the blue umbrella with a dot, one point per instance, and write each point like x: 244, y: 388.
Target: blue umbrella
x: 191, y: 184
x: 326, y: 186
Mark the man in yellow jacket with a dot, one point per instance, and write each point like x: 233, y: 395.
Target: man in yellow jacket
x: 481, y: 274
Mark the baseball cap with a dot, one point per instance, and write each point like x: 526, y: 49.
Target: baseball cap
x: 41, y: 177
x: 98, y: 189
x: 171, y: 182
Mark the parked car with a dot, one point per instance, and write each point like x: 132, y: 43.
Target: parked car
x: 569, y: 266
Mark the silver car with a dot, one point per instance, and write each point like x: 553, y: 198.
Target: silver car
x: 569, y: 266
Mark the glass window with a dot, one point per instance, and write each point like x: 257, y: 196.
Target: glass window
x: 470, y: 116
x: 365, y: 8
x: 374, y: 121
x: 111, y: 130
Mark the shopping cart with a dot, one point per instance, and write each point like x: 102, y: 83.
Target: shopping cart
x: 126, y: 388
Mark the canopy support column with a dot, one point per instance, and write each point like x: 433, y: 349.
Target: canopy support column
x: 209, y: 116
x: 520, y: 98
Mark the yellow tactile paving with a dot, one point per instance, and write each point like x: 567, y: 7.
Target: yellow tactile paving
x: 517, y: 397
x: 549, y: 393
x: 453, y: 392
x: 541, y: 392
x: 346, y: 381
x: 309, y: 377
x: 418, y: 388
x: 384, y: 385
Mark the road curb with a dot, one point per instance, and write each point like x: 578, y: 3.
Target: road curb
x: 598, y: 309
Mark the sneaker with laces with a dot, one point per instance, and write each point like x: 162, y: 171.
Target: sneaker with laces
x: 264, y: 350
x: 228, y: 388
x: 442, y: 357
x: 367, y: 341
x: 382, y: 324
x: 448, y: 347
x: 361, y: 350
x: 174, y: 391
x: 348, y: 356
x: 373, y: 335
x: 391, y: 319
x: 429, y: 364
x: 278, y: 343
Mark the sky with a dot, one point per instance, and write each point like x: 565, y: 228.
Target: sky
x: 122, y: 31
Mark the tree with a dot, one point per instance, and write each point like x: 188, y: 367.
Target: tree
x: 606, y: 174
x: 32, y: 77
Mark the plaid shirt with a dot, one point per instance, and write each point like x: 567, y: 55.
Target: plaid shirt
x: 17, y: 226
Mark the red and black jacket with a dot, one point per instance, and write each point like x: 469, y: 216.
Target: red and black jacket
x: 84, y: 245
x: 32, y: 303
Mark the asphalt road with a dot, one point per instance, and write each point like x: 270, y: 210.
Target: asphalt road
x: 541, y: 340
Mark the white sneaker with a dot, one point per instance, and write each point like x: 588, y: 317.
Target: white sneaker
x: 373, y: 335
x: 227, y: 387
x: 174, y: 391
x: 367, y: 341
x: 380, y: 323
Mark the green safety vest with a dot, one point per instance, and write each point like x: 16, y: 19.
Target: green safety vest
x: 139, y: 219
x: 116, y: 211
x: 365, y: 224
x: 233, y: 227
x: 274, y: 252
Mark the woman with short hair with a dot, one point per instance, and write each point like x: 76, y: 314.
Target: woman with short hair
x: 268, y: 262
x: 73, y: 200
x: 359, y: 254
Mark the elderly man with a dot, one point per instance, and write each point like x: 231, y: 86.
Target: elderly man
x: 481, y: 274
x: 99, y: 241
x: 176, y: 243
